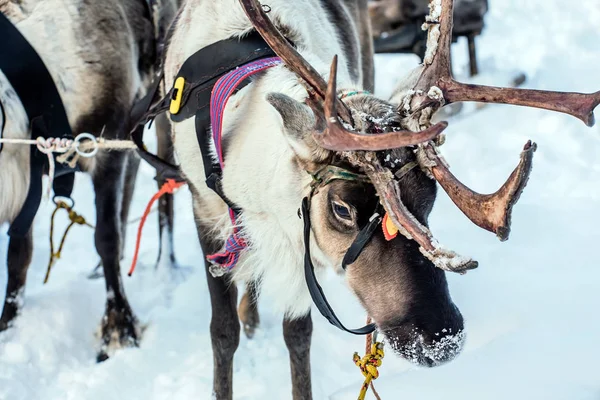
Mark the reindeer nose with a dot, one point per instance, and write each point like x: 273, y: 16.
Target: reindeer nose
x: 428, y: 339
x: 440, y: 347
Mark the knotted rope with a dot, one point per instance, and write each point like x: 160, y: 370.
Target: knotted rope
x: 84, y: 145
x: 75, y: 219
x: 369, y: 363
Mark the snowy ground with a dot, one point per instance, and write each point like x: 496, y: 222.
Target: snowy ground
x: 530, y: 309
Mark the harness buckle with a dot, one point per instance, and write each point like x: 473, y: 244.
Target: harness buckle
x: 175, y: 105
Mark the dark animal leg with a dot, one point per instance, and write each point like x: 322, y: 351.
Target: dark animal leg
x: 165, y: 204
x: 297, y: 334
x: 224, y: 333
x: 18, y: 260
x: 224, y: 324
x: 366, y: 44
x: 473, y: 69
x: 119, y: 326
x: 131, y: 170
x: 248, y: 310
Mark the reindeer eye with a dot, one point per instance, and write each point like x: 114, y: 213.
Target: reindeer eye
x: 342, y: 211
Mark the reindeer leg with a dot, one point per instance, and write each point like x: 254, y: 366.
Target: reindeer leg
x: 131, y: 169
x: 248, y: 310
x: 119, y: 325
x: 224, y: 324
x: 224, y: 333
x: 365, y: 33
x: 132, y: 165
x: 473, y: 69
x: 18, y: 260
x: 165, y: 204
x: 297, y: 334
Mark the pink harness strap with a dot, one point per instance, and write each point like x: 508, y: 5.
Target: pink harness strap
x: 227, y: 259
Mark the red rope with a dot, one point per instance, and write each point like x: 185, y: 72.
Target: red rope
x: 169, y: 187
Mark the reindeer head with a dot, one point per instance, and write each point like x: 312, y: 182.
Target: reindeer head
x: 400, y: 288
x: 371, y: 158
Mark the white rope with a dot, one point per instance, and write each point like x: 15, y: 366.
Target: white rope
x: 71, y: 150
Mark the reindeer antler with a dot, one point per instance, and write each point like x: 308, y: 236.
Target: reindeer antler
x: 314, y: 82
x: 335, y: 137
x: 491, y: 212
x: 389, y: 193
x: 438, y: 73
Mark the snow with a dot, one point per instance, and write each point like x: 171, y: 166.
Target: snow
x: 530, y: 308
x: 448, y: 260
x: 435, y: 12
x: 436, y: 93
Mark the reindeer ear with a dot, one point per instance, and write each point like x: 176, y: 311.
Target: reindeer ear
x: 298, y: 125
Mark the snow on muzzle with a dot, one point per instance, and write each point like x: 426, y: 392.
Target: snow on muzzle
x: 426, y: 344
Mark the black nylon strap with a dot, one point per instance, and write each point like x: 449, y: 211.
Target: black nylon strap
x: 63, y: 185
x: 64, y: 179
x: 3, y: 116
x: 35, y: 87
x: 212, y: 170
x: 203, y: 68
x: 164, y: 169
x: 316, y: 292
x: 31, y: 80
x: 363, y: 237
x: 141, y: 113
x: 200, y: 71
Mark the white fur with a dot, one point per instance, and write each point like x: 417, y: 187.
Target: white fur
x: 14, y: 158
x: 260, y: 174
x: 53, y: 27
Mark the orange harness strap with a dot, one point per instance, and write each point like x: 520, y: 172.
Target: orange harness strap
x: 167, y: 188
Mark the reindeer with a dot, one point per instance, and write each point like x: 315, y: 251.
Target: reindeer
x: 101, y: 56
x: 296, y: 146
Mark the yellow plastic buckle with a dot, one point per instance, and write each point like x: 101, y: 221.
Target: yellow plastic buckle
x: 175, y: 105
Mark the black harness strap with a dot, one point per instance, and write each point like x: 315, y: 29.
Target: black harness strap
x: 200, y: 71
x: 212, y: 169
x: 363, y: 237
x: 35, y: 87
x: 3, y: 116
x: 200, y: 76
x: 142, y: 111
x: 164, y: 169
x: 31, y: 80
x: 316, y: 292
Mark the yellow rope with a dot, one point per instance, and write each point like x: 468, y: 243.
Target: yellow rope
x: 368, y: 366
x: 75, y: 219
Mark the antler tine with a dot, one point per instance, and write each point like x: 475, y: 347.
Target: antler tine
x: 438, y: 72
x: 492, y: 211
x: 315, y: 84
x: 389, y: 193
x: 579, y: 105
x: 336, y: 137
x: 437, y: 57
